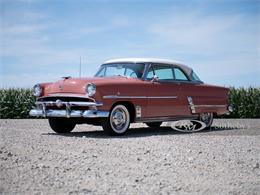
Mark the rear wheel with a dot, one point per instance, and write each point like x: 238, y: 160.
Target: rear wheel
x: 118, y: 121
x: 206, y: 118
x: 61, y: 125
x: 154, y: 124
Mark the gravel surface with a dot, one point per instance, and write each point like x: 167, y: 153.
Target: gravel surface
x: 224, y: 160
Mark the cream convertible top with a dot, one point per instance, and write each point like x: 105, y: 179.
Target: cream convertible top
x: 184, y: 67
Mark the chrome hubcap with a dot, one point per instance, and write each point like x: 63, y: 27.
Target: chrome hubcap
x: 120, y: 119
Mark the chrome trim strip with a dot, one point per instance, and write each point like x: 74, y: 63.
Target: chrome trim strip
x: 52, y: 103
x: 66, y: 95
x: 138, y: 97
x: 165, y: 119
x: 192, y: 106
x: 70, y: 114
x: 162, y: 97
x: 210, y: 106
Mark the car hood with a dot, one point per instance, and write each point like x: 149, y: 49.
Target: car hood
x: 78, y: 85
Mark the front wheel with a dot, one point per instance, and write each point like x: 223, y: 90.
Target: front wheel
x: 206, y: 118
x: 118, y: 121
x: 61, y: 125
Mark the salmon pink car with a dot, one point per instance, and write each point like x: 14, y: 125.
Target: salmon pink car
x: 130, y: 90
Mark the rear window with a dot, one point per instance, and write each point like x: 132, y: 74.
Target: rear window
x: 179, y: 75
x: 195, y: 77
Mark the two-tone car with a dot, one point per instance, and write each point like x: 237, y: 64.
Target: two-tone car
x: 130, y: 90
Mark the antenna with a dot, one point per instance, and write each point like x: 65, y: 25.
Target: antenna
x: 80, y: 67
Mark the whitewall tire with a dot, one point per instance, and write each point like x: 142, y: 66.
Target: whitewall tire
x: 118, y: 121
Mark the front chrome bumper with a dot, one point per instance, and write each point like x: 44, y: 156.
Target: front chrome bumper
x: 71, y: 114
x: 92, y: 112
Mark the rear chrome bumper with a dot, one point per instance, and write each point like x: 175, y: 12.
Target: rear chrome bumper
x: 92, y: 112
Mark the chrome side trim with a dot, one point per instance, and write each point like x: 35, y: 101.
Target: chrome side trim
x: 138, y: 97
x: 69, y: 114
x: 162, y: 97
x: 52, y: 103
x: 192, y: 106
x: 210, y: 106
x: 164, y: 119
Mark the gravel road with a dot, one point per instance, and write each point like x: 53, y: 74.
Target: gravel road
x: 225, y: 160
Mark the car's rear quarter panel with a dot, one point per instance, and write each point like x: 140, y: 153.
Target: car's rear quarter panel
x: 207, y: 98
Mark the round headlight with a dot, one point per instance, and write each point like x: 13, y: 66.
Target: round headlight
x: 37, y: 90
x: 91, y: 89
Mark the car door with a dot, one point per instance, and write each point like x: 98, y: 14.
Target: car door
x: 163, y: 94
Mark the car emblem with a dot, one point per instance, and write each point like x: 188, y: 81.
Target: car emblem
x: 59, y: 103
x: 61, y: 87
x: 188, y: 126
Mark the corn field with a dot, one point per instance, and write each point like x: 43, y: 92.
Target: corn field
x: 246, y: 102
x: 16, y: 103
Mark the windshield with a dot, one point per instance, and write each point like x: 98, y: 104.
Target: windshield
x: 122, y: 69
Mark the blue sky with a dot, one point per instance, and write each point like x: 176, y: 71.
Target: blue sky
x: 42, y: 40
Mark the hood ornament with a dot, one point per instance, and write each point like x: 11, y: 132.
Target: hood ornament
x: 66, y: 77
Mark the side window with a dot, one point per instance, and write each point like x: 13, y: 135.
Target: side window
x: 164, y: 72
x: 179, y: 75
x: 150, y: 74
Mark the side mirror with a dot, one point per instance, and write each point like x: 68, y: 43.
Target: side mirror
x: 155, y: 78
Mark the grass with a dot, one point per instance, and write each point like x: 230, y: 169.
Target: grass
x: 16, y: 103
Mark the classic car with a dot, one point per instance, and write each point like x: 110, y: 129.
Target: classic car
x: 130, y: 90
